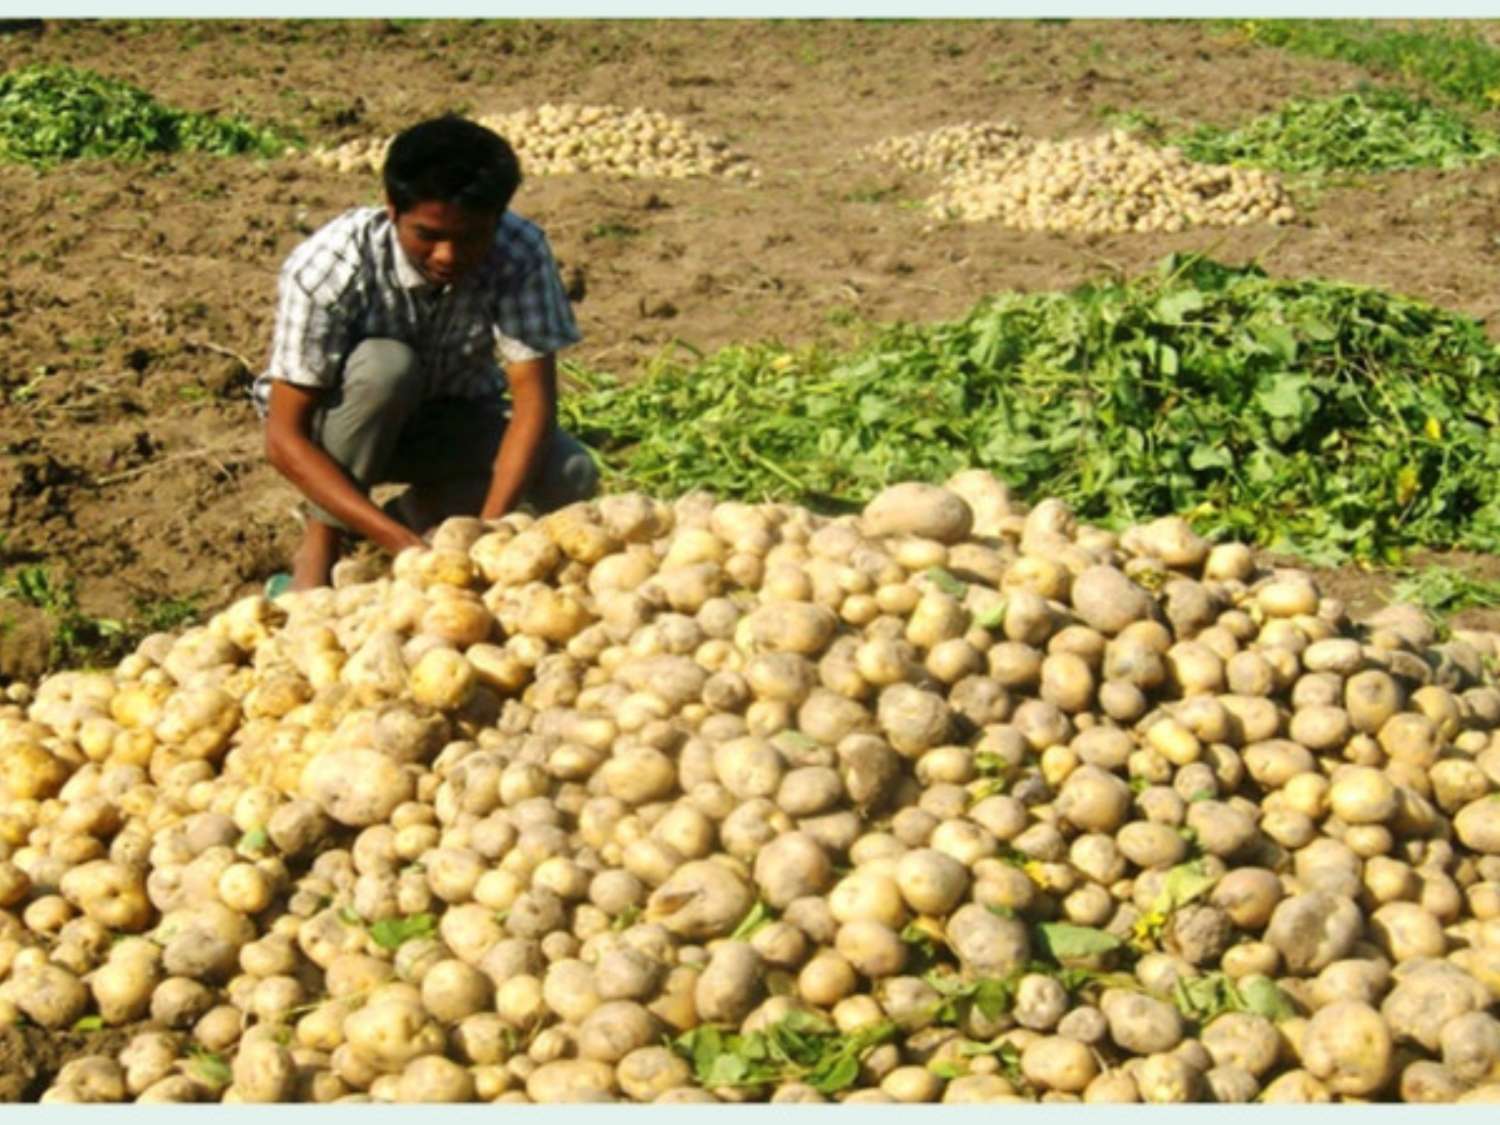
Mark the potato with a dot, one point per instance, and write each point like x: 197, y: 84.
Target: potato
x: 48, y: 994
x: 826, y: 979
x: 1475, y: 825
x: 1055, y: 1063
x: 263, y: 1071
x: 571, y: 1080
x: 1141, y: 1024
x: 986, y: 943
x: 1313, y: 930
x: 647, y: 1073
x: 913, y: 720
x: 790, y: 867
x: 615, y: 1029
x: 729, y: 986
x: 921, y: 510
x: 702, y: 899
x: 110, y: 893
x: 1422, y: 1003
x: 1348, y: 1048
x: 874, y: 949
x: 356, y: 787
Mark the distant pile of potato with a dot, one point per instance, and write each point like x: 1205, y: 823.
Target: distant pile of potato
x: 1111, y: 183
x: 953, y: 148
x: 1002, y: 806
x: 554, y: 140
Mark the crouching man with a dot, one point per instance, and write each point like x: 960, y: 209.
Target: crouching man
x: 392, y: 326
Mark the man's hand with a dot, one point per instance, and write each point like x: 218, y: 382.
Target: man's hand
x: 293, y: 453
x: 533, y: 414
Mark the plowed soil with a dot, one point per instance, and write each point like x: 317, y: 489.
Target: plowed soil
x: 136, y: 299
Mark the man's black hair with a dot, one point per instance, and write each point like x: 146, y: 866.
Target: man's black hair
x: 450, y: 159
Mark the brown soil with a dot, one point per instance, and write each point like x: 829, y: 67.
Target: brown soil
x: 136, y: 300
x: 30, y: 1057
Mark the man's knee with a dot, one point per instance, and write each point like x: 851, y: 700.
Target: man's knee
x: 579, y: 476
x: 380, y: 373
x: 570, y: 475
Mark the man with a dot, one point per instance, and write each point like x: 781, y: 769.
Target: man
x: 383, y: 357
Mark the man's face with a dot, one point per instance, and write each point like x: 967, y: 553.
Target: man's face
x: 443, y: 240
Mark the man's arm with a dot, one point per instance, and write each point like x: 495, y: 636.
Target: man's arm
x: 533, y: 413
x: 293, y: 453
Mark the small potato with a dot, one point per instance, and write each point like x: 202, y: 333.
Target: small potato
x: 1141, y: 1024
x: 434, y: 1079
x: 986, y: 943
x: 615, y: 1029
x: 1167, y: 1080
x: 826, y: 979
x: 571, y: 1080
x: 452, y: 990
x: 1348, y: 1048
x: 730, y: 984
x: 263, y: 1072
x: 647, y: 1073
x: 930, y: 881
x: 49, y: 995
x: 1055, y: 1063
x: 873, y: 949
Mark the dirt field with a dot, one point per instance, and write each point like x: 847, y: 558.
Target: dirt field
x: 136, y: 300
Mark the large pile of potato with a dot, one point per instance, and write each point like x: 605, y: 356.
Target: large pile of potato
x: 1005, y: 800
x: 554, y: 140
x: 1111, y: 183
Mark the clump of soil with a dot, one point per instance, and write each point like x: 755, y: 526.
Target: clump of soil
x: 30, y: 1057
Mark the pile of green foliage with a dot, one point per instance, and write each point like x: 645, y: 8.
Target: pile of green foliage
x: 1370, y: 131
x: 51, y: 113
x: 1306, y: 415
x: 1449, y: 60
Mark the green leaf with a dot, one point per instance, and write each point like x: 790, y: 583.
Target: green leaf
x: 392, y: 933
x: 1285, y: 396
x: 626, y: 918
x: 727, y: 1070
x: 757, y: 916
x: 948, y: 1069
x: 835, y: 1075
x: 1262, y: 996
x: 1205, y: 456
x: 1064, y: 941
x: 796, y: 740
x: 1174, y: 307
x: 1185, y: 883
x: 992, y: 618
x: 945, y: 582
x: 209, y: 1068
x: 89, y: 1023
x: 995, y: 996
x: 254, y: 840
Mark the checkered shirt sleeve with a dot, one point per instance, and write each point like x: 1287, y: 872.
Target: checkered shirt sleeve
x: 313, y: 315
x: 533, y: 316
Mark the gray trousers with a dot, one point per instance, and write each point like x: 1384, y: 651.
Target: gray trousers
x: 380, y: 428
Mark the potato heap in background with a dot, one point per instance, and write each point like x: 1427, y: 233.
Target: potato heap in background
x: 555, y: 140
x: 499, y: 824
x: 953, y: 148
x: 1106, y: 184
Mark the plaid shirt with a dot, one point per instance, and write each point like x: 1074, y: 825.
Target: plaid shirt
x: 351, y: 281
